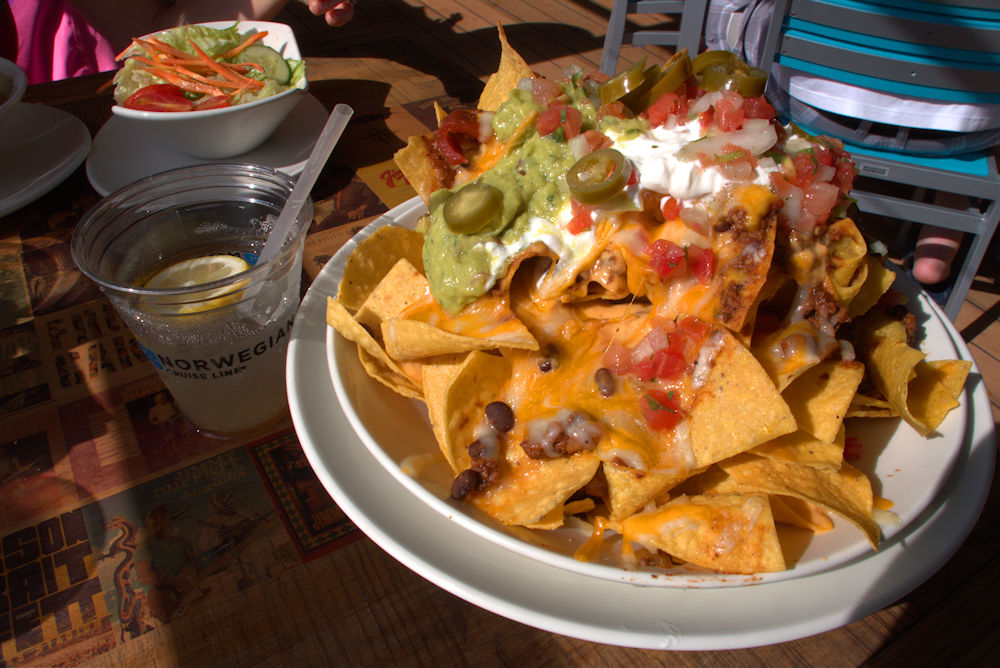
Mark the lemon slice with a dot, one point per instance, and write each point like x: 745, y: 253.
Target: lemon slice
x: 198, y: 271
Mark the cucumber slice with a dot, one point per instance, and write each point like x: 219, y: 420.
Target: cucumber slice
x: 274, y: 65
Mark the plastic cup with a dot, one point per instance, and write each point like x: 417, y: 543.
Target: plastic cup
x: 218, y: 347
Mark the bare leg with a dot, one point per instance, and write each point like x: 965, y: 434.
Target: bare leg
x: 937, y: 246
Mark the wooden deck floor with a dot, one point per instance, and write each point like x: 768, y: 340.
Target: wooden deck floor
x: 553, y: 35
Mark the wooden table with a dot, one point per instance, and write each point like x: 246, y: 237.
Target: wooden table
x: 284, y: 577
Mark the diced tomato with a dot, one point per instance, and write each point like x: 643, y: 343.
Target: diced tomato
x: 545, y: 91
x: 559, y: 116
x: 582, y: 219
x: 597, y: 140
x: 706, y: 118
x: 702, y: 263
x: 670, y: 208
x: 845, y: 174
x: 729, y: 111
x: 665, y: 106
x: 665, y: 364
x: 805, y: 168
x: 852, y: 448
x: 823, y: 154
x: 689, y: 337
x: 616, y: 109
x: 211, y: 102
x: 757, y: 107
x: 661, y: 410
x: 158, y: 97
x: 664, y: 257
x: 457, y: 135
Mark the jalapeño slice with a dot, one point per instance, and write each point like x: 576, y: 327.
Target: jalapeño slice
x: 622, y: 83
x: 472, y: 208
x: 675, y: 73
x: 598, y: 176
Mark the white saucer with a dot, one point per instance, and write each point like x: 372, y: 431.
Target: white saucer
x: 121, y: 154
x: 39, y: 147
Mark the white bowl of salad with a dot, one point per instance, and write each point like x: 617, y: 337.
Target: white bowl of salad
x: 211, y: 90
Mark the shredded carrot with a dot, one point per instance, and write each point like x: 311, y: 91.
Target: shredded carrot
x: 252, y: 39
x: 198, y: 73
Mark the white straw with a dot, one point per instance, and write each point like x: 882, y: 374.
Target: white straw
x: 314, y: 165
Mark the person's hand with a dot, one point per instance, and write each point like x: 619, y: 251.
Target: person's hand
x: 336, y: 12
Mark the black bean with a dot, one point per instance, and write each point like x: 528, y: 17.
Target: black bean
x: 550, y: 358
x: 500, y: 416
x: 605, y: 382
x: 464, y: 482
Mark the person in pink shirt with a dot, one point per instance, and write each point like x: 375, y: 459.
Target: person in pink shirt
x: 59, y: 39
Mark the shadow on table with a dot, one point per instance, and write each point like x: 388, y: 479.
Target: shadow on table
x: 460, y: 59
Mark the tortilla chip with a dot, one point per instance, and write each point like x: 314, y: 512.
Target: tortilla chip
x: 630, y: 490
x: 878, y: 280
x: 820, y: 397
x: 865, y: 406
x: 736, y: 379
x: 511, y: 70
x: 414, y: 340
x: 375, y: 360
x: 790, y: 352
x: 376, y: 367
x: 457, y: 395
x: 799, y: 513
x: 847, y: 270
x: 421, y: 167
x: 846, y: 491
x: 935, y: 389
x: 803, y: 448
x: 527, y: 490
x: 922, y: 392
x: 403, y: 286
x: 725, y: 533
x: 437, y: 379
x: 372, y: 260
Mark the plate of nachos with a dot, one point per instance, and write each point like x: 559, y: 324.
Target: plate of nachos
x: 630, y: 328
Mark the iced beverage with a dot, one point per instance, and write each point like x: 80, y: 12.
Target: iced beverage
x: 176, y: 255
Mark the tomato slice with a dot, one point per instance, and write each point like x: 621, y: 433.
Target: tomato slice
x: 660, y: 409
x: 158, y: 97
x: 457, y: 136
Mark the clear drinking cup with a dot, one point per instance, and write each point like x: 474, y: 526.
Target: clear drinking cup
x: 219, y: 347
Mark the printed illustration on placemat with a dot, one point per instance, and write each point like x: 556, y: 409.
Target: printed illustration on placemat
x: 184, y: 541
x: 52, y: 610
x: 315, y: 523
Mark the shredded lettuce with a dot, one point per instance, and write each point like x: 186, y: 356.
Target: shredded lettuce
x: 213, y: 41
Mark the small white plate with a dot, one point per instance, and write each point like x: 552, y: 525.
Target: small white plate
x: 40, y: 146
x: 122, y: 154
x: 548, y: 597
x: 905, y: 468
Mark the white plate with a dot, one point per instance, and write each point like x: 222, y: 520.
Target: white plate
x: 39, y: 147
x: 905, y: 468
x: 554, y: 599
x: 122, y: 154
